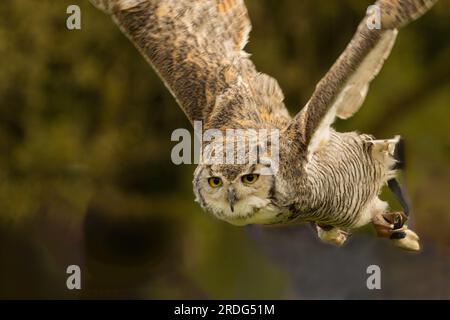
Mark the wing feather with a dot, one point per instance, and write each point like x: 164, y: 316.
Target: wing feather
x: 196, y: 47
x: 355, y: 90
x: 341, y: 92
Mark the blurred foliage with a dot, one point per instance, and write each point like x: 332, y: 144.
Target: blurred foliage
x: 86, y: 176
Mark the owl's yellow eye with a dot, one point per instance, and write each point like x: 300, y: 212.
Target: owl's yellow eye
x: 250, y: 178
x: 215, y: 182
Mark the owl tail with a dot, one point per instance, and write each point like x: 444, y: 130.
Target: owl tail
x: 393, y: 184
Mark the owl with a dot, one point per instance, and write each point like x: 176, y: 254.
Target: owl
x: 328, y: 178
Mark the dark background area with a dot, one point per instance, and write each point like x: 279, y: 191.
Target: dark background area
x: 86, y: 176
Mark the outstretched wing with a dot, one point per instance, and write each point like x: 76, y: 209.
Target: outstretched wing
x: 196, y: 46
x: 343, y: 89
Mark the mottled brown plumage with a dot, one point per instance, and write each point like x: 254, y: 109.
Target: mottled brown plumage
x: 196, y: 48
x: 331, y: 178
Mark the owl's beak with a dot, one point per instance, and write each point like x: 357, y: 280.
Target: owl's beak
x: 231, y: 198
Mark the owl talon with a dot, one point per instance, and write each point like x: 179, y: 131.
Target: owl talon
x: 398, y: 235
x: 388, y: 223
x: 333, y: 236
x: 392, y: 225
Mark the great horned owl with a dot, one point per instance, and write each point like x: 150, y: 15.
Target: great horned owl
x: 329, y: 178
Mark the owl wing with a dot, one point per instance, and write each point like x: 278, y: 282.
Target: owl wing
x: 341, y: 92
x: 196, y: 47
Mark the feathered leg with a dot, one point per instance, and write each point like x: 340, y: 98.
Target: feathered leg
x: 332, y: 235
x: 392, y: 224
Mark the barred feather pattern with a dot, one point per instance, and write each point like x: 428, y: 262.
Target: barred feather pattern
x: 340, y: 181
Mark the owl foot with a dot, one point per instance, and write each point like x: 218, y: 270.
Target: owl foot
x: 332, y: 235
x: 409, y: 240
x: 392, y: 225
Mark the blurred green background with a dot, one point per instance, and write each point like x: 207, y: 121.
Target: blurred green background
x: 86, y: 176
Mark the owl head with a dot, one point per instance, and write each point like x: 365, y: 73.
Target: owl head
x: 238, y: 194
